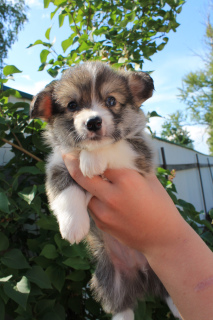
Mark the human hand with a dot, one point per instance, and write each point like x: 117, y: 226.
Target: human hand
x: 133, y: 208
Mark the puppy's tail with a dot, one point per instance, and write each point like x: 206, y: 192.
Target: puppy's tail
x: 125, y: 315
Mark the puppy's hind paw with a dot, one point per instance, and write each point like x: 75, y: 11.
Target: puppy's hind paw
x: 75, y: 231
x: 125, y: 315
x: 70, y: 209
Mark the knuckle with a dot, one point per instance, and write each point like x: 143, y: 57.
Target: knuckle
x: 112, y: 201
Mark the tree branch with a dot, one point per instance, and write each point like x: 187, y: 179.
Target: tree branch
x: 22, y: 149
x: 19, y: 143
x: 78, y: 31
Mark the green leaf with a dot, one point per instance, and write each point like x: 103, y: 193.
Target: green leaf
x: 28, y: 194
x: 18, y: 293
x: 30, y: 170
x: 2, y: 310
x: 75, y: 250
x: 56, y: 275
x: 140, y: 312
x: 3, y: 80
x: 61, y: 243
x: 59, y: 2
x: 46, y: 3
x: 23, y: 285
x: 42, y: 66
x: 51, y: 316
x: 12, y: 92
x: 153, y: 114
x: 66, y: 44
x: 161, y: 46
x: 46, y: 44
x: 208, y: 236
x: 49, y: 252
x: 92, y: 306
x: 47, y: 33
x: 77, y: 263
x: 10, y: 69
x: 43, y: 306
x: 48, y: 223
x: 41, y: 166
x: 15, y: 259
x: 211, y: 213
x: 6, y: 279
x: 4, y: 242
x: 61, y: 19
x: 39, y: 277
x: 77, y: 275
x: 83, y: 47
x: 53, y: 13
x: 43, y: 55
x: 53, y: 71
x: 4, y: 203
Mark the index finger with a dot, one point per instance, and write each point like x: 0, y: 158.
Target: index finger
x: 96, y: 185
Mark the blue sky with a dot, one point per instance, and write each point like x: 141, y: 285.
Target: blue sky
x: 180, y: 56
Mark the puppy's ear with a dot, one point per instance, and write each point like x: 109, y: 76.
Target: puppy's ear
x: 42, y: 104
x: 141, y: 86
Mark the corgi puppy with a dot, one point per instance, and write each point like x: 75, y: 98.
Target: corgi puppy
x: 94, y: 112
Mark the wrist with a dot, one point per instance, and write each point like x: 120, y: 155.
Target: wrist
x: 170, y: 233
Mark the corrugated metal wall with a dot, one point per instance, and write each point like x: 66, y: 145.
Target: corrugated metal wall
x: 192, y: 185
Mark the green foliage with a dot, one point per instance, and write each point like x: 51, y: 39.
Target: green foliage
x: 123, y: 33
x: 197, y: 89
x: 173, y: 130
x: 12, y: 18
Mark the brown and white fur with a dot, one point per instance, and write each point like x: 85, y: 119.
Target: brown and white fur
x: 94, y: 112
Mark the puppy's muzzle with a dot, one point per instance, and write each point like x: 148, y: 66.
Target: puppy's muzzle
x: 94, y: 124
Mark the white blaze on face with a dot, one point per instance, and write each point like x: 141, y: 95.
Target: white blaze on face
x: 83, y: 116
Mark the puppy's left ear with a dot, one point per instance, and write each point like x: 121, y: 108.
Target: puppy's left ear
x: 141, y: 86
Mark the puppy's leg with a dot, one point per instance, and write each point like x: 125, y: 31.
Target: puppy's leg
x: 125, y: 315
x: 70, y: 208
x: 173, y: 307
x: 68, y: 201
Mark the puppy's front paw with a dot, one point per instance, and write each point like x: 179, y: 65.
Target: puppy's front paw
x: 75, y: 230
x: 92, y: 163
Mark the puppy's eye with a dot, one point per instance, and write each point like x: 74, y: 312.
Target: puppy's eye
x: 110, y: 102
x: 72, y: 106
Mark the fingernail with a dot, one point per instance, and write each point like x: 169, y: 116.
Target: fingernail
x: 68, y: 157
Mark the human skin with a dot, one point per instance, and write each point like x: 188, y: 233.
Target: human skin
x: 138, y: 212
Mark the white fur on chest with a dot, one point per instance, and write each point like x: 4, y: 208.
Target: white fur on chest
x: 114, y: 156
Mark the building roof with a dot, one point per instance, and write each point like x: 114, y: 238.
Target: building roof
x: 22, y: 93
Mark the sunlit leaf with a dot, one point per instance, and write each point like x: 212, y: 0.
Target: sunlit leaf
x: 10, y: 69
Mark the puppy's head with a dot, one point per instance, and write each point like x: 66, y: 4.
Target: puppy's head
x: 93, y: 105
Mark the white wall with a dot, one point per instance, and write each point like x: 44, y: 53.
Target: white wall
x: 187, y: 181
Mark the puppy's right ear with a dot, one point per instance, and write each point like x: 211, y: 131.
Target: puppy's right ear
x: 42, y: 104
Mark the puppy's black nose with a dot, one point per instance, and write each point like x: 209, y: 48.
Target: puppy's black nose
x: 94, y: 124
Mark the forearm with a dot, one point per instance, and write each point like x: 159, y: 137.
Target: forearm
x: 139, y: 213
x: 185, y: 266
